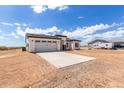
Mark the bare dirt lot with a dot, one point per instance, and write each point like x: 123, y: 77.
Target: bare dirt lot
x: 24, y: 69
x: 106, y: 71
x: 29, y: 70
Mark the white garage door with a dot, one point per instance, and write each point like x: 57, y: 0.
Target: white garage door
x: 42, y: 46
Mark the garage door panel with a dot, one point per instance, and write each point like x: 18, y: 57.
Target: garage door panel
x: 45, y: 46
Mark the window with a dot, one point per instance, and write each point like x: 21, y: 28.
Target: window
x: 49, y: 41
x: 76, y: 45
x: 54, y: 41
x: 37, y: 40
x: 43, y: 41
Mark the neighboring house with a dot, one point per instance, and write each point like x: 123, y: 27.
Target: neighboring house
x: 118, y: 44
x: 106, y: 44
x: 100, y: 44
x: 43, y: 43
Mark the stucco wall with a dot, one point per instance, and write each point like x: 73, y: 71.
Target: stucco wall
x: 63, y: 41
x: 73, y: 45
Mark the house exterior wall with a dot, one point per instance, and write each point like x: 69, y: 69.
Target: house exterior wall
x: 31, y: 43
x: 73, y: 45
x: 68, y: 45
x: 101, y: 45
x: 63, y: 42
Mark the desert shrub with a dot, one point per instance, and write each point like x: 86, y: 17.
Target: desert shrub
x: 89, y: 48
x: 3, y: 48
x: 23, y: 48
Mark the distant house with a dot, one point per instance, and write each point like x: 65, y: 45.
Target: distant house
x: 43, y: 43
x: 105, y: 44
x: 100, y: 44
x: 118, y: 44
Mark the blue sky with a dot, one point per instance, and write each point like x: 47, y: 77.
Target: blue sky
x: 80, y: 22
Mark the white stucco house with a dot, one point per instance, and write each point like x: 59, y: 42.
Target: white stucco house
x: 44, y: 43
x: 100, y: 44
x: 106, y: 44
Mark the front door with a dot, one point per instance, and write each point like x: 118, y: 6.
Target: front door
x: 63, y: 47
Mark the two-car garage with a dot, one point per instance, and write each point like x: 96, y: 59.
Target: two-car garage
x: 45, y: 45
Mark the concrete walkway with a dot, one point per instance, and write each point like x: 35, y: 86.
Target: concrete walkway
x: 62, y: 59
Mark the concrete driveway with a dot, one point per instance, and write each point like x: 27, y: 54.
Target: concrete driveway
x: 62, y: 59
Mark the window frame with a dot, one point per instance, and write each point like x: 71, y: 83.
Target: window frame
x: 37, y: 40
x: 43, y: 41
x: 76, y: 44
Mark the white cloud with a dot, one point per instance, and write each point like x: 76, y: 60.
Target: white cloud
x: 48, y: 31
x: 22, y: 29
x: 109, y: 35
x: 43, y: 8
x: 63, y: 8
x: 87, y: 34
x: 53, y: 7
x: 8, y: 24
x: 24, y: 24
x: 2, y: 37
x: 39, y: 8
x: 120, y: 28
x: 81, y: 32
x: 8, y: 35
x: 17, y: 24
x: 14, y: 24
x: 13, y: 35
x: 20, y: 32
x: 80, y: 17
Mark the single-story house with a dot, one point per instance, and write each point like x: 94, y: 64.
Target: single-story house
x: 118, y: 44
x: 43, y: 43
x: 105, y: 44
x: 100, y: 44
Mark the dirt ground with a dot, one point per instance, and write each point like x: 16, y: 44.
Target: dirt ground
x: 24, y: 69
x: 106, y: 71
x: 29, y: 70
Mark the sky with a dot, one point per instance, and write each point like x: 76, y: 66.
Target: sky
x: 82, y: 22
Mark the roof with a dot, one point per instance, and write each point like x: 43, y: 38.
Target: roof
x: 68, y: 39
x: 40, y: 36
x: 75, y: 40
x: 61, y: 35
x: 49, y: 37
x: 114, y: 41
x: 98, y: 40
